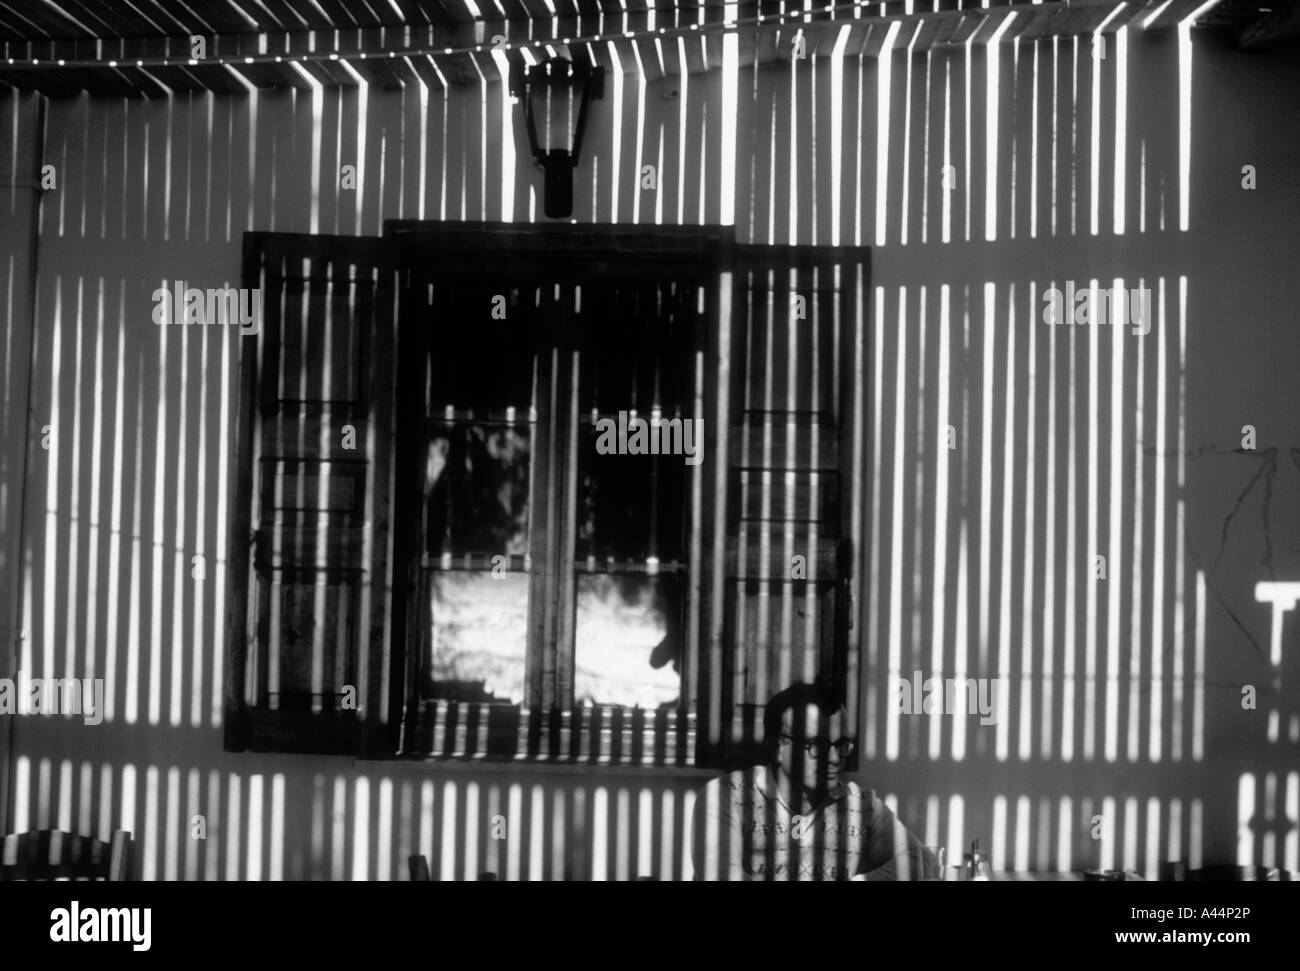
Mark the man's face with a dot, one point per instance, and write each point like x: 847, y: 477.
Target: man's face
x: 814, y: 747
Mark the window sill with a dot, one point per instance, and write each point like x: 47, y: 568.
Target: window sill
x: 606, y: 738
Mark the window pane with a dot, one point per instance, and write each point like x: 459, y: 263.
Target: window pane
x: 479, y: 629
x: 630, y: 507
x: 628, y: 640
x: 479, y: 444
x: 477, y: 362
x: 478, y: 487
x: 632, y: 481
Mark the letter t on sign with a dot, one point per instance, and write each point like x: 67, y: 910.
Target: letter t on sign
x: 1283, y: 596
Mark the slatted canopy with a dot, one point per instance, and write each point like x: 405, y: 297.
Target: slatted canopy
x: 145, y: 48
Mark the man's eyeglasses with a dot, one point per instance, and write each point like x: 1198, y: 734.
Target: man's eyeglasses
x: 819, y: 748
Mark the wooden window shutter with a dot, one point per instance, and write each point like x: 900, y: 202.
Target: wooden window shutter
x: 309, y: 540
x: 786, y: 523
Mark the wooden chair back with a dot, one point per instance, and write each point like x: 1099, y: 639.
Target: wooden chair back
x: 51, y: 854
x: 419, y: 867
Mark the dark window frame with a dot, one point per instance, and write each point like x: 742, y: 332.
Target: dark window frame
x: 703, y: 731
x: 546, y: 727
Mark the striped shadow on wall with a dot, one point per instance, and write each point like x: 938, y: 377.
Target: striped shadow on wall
x: 976, y: 560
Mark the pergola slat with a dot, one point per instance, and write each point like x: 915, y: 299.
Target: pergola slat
x: 309, y: 31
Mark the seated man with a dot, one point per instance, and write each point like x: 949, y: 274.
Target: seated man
x: 797, y: 818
